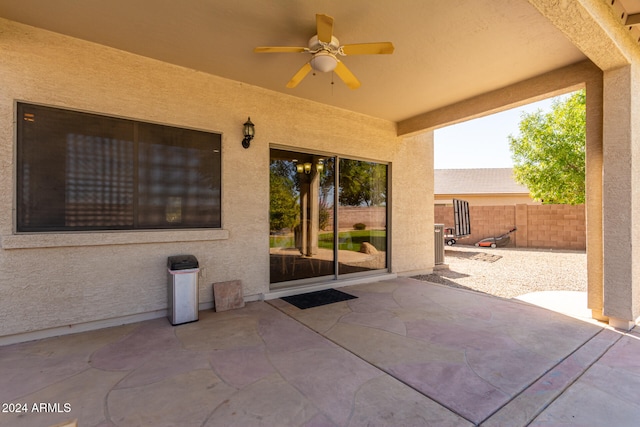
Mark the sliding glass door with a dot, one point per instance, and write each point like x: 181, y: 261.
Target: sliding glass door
x: 301, y: 207
x: 318, y: 233
x: 362, y: 216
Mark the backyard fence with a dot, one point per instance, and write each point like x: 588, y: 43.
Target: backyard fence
x: 539, y: 226
x: 373, y: 217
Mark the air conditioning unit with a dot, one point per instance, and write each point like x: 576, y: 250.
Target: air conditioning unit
x: 438, y: 238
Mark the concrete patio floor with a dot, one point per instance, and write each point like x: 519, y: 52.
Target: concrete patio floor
x: 404, y: 353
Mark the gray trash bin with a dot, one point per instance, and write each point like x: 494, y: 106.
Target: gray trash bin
x: 183, y: 288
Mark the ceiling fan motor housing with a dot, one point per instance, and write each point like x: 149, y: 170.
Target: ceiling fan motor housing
x: 316, y: 45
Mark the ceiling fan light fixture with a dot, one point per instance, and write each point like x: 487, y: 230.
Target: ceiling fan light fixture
x: 324, y: 49
x: 324, y: 62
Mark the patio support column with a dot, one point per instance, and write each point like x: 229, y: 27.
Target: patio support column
x: 593, y: 203
x: 621, y: 195
x: 596, y: 31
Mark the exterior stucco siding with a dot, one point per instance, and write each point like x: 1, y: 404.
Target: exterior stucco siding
x: 49, y: 281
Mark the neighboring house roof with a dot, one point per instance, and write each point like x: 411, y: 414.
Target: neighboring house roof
x: 477, y: 181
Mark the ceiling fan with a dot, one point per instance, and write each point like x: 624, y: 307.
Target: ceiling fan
x: 325, y: 48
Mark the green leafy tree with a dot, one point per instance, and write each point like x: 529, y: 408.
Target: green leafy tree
x: 549, y: 153
x: 327, y: 177
x: 362, y: 183
x: 284, y: 207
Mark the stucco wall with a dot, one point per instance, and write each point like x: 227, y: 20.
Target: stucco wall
x: 621, y: 193
x: 412, y: 249
x: 54, y: 280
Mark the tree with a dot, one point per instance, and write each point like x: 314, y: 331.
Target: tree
x: 549, y: 154
x: 325, y: 204
x: 362, y: 183
x: 284, y: 208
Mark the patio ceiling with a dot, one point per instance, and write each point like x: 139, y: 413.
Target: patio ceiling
x: 445, y: 51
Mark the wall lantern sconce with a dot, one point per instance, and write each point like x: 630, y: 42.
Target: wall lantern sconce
x: 249, y: 133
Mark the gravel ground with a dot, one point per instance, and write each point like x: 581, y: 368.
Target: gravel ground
x: 511, y: 272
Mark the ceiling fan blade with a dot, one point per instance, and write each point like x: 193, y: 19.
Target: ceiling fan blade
x: 301, y: 74
x: 347, y: 76
x: 368, y: 48
x: 279, y: 49
x: 324, y: 26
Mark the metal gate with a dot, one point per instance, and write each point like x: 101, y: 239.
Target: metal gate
x: 461, y: 217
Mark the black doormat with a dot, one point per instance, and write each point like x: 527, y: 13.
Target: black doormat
x: 318, y: 298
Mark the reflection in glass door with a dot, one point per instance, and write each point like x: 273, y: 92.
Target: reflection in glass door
x: 304, y: 244
x: 362, y: 216
x: 301, y: 213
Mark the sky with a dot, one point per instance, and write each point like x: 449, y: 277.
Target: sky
x: 483, y: 142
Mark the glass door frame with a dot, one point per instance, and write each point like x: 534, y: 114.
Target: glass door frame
x: 337, y: 276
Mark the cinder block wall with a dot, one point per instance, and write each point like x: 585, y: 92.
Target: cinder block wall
x: 557, y: 226
x: 539, y: 226
x: 374, y: 217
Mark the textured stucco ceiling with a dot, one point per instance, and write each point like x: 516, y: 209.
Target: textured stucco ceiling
x: 445, y: 51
